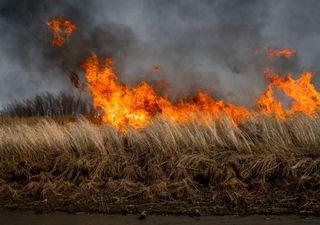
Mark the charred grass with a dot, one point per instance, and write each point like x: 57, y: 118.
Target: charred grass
x: 264, y: 165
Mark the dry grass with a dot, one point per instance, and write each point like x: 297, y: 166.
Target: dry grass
x: 265, y: 165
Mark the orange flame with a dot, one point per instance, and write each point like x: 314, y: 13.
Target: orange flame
x: 303, y: 94
x: 123, y: 105
x: 285, y: 52
x: 267, y: 103
x: 134, y: 106
x: 62, y: 30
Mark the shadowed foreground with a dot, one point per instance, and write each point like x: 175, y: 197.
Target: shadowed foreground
x: 262, y: 166
x: 60, y: 218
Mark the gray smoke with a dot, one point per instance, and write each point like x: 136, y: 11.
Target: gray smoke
x: 217, y: 46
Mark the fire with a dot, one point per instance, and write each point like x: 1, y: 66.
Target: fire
x: 122, y: 105
x: 285, y: 52
x: 267, y: 103
x: 304, y: 97
x: 62, y: 30
x: 134, y: 106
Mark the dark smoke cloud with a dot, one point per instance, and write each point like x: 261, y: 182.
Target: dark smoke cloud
x: 217, y: 45
x: 30, y: 64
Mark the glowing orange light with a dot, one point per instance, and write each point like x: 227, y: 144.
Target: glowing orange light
x: 62, y: 30
x: 285, y: 52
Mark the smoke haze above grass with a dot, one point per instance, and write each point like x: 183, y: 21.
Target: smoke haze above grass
x: 217, y: 46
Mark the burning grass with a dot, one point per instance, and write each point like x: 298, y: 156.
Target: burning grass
x: 266, y: 165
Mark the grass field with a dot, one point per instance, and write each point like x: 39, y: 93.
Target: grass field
x: 265, y: 165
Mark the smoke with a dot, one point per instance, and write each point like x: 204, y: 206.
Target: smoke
x: 30, y: 64
x: 217, y: 46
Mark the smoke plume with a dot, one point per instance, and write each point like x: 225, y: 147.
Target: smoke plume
x: 218, y: 46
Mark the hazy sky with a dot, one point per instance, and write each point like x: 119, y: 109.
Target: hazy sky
x: 215, y: 45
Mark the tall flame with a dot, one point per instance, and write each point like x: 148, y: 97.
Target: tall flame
x: 267, y: 103
x: 303, y: 94
x: 134, y: 106
x: 123, y: 106
x: 62, y: 30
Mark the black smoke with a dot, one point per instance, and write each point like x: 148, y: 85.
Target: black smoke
x: 217, y: 46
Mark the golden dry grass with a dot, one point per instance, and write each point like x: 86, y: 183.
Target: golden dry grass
x: 262, y: 165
